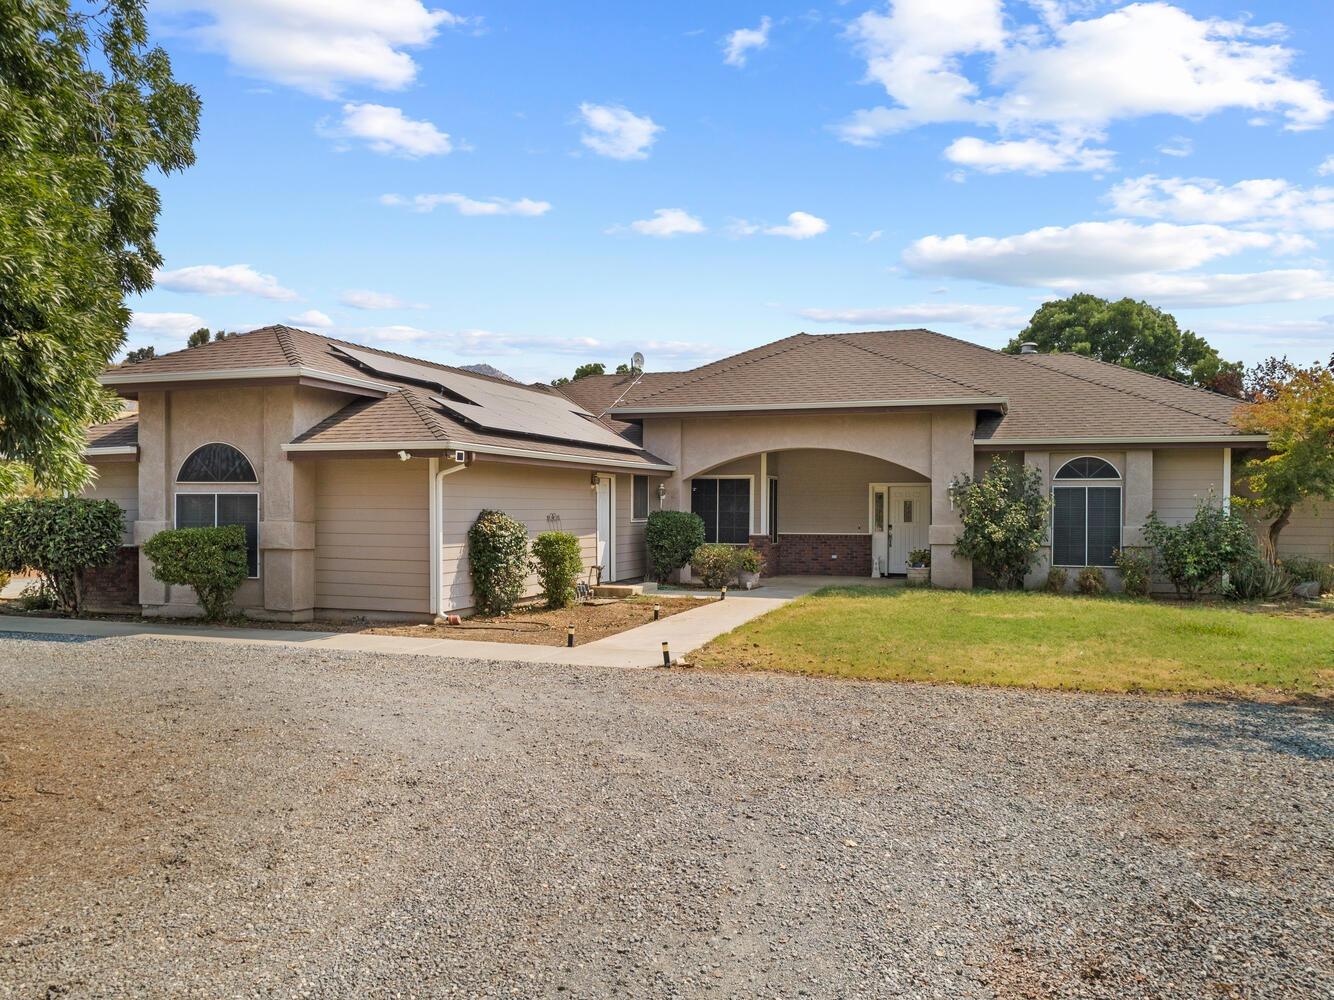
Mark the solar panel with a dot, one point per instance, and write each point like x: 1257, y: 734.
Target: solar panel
x: 495, y: 406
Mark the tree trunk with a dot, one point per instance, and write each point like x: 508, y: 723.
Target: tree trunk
x: 1280, y: 522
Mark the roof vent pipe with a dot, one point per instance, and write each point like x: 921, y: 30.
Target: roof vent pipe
x: 1028, y: 347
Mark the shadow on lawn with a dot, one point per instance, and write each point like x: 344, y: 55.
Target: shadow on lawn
x: 1302, y: 727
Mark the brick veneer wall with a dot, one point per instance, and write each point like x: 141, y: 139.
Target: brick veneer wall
x: 114, y: 587
x: 772, y: 553
x: 815, y: 555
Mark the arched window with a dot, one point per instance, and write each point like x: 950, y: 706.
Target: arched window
x: 1086, y: 519
x: 217, y: 463
x: 220, y: 464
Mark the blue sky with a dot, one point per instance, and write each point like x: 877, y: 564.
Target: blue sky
x: 535, y: 186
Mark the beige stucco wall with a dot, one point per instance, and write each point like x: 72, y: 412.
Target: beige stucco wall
x: 118, y: 481
x: 828, y: 491
x: 540, y: 498
x: 372, y: 550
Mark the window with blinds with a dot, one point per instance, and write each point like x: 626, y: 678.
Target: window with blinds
x: 724, y: 506
x: 1086, y: 520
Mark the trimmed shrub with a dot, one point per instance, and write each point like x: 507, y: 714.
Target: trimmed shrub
x: 671, y: 536
x: 750, y: 560
x: 1303, y: 568
x: 1004, y: 517
x: 4, y: 578
x: 1136, y: 569
x: 715, y: 565
x: 38, y: 596
x: 1196, y: 555
x: 1258, y: 580
x: 919, y: 557
x: 498, y: 557
x: 1057, y: 578
x: 61, y: 538
x: 212, y: 561
x: 1091, y: 582
x: 557, y: 563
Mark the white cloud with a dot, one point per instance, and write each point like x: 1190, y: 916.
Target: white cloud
x: 665, y: 222
x: 738, y: 44
x: 1326, y: 167
x: 468, y: 206
x: 481, y: 344
x: 978, y: 316
x: 1068, y: 256
x: 311, y: 317
x: 362, y: 298
x: 1265, y: 202
x: 800, y: 226
x: 164, y: 325
x: 1207, y: 290
x: 1178, y: 145
x: 957, y: 62
x: 1033, y: 156
x: 617, y: 132
x: 387, y: 130
x: 319, y: 46
x: 229, y: 279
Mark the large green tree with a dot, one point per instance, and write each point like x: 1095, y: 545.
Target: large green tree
x: 88, y: 113
x: 1134, y: 334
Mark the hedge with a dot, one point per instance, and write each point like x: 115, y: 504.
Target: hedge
x: 671, y: 536
x: 211, y: 560
x: 498, y: 557
x: 558, y: 563
x: 61, y: 538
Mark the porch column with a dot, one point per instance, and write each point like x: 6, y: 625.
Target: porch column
x: 154, y: 477
x: 287, y: 528
x: 763, y: 487
x: 1139, y: 494
x: 951, y: 457
x: 666, y: 439
x: 1037, y: 575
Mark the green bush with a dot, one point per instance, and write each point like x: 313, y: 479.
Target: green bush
x: 210, y: 560
x: 1258, y: 580
x: 498, y: 556
x: 1136, y: 569
x: 715, y: 565
x: 1303, y: 568
x: 671, y: 537
x: 1196, y: 555
x: 750, y: 560
x: 38, y: 596
x: 919, y: 557
x: 4, y: 578
x: 1091, y: 582
x: 1057, y: 578
x: 1004, y: 517
x: 61, y: 538
x: 557, y: 563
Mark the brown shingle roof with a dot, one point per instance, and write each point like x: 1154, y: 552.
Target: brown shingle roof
x: 123, y: 432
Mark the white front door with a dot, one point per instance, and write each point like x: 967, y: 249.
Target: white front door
x: 880, y: 530
x: 604, y: 523
x: 909, y: 523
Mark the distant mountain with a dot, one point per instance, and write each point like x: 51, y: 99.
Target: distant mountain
x: 488, y: 370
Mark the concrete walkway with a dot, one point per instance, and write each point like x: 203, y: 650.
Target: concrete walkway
x: 638, y: 647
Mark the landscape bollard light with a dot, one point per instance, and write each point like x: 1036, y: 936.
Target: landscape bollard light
x: 657, y: 611
x: 569, y: 636
x: 722, y: 594
x: 666, y: 654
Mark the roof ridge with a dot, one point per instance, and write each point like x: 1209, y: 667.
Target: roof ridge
x: 915, y: 367
x: 423, y: 414
x: 284, y: 337
x: 740, y: 364
x: 1132, y: 392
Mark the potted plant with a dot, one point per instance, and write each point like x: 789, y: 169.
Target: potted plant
x: 750, y: 564
x: 919, y: 567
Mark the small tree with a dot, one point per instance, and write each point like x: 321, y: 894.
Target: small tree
x: 557, y: 563
x: 1296, y: 409
x: 62, y: 538
x: 199, y: 338
x: 498, y: 556
x: 1004, y: 517
x: 210, y: 560
x: 671, y: 537
x: 715, y: 565
x: 1196, y: 555
x: 140, y: 354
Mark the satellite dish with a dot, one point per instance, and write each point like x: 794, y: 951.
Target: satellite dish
x: 637, y: 361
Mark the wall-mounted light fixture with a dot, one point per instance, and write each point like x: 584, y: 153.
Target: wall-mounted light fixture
x: 662, y: 492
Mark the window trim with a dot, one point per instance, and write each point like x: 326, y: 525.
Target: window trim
x: 176, y: 511
x: 751, y: 529
x: 1118, y: 478
x: 235, y: 482
x: 648, y: 498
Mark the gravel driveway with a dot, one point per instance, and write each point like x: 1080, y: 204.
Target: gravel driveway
x: 180, y: 819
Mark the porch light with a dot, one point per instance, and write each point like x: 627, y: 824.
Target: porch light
x: 662, y: 492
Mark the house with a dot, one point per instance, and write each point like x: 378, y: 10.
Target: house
x: 357, y: 472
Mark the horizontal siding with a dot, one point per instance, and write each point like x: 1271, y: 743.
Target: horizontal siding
x: 118, y: 481
x: 1309, y: 533
x: 1182, y: 478
x: 372, y: 549
x: 529, y: 494
x: 631, y: 558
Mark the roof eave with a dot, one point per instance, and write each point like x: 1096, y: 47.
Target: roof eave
x: 123, y: 378
x: 999, y: 402
x: 433, y: 444
x: 1124, y: 439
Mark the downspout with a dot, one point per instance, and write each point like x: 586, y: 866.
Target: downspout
x: 436, y: 533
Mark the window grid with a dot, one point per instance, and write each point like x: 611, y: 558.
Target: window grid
x: 209, y: 510
x: 724, y: 506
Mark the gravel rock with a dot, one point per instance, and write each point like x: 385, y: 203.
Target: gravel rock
x: 194, y: 820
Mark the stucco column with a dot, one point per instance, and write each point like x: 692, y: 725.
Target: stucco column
x: 1139, y: 494
x: 1037, y: 575
x: 666, y: 439
x: 287, y: 522
x: 154, y: 477
x: 951, y: 458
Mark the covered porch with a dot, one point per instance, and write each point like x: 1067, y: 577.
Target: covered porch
x: 817, y: 512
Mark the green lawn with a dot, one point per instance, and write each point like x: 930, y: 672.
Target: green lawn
x: 1034, y: 640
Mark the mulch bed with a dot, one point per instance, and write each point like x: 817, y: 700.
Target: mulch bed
x: 540, y: 627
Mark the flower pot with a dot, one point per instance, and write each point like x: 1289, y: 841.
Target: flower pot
x: 749, y: 581
x: 919, y: 576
